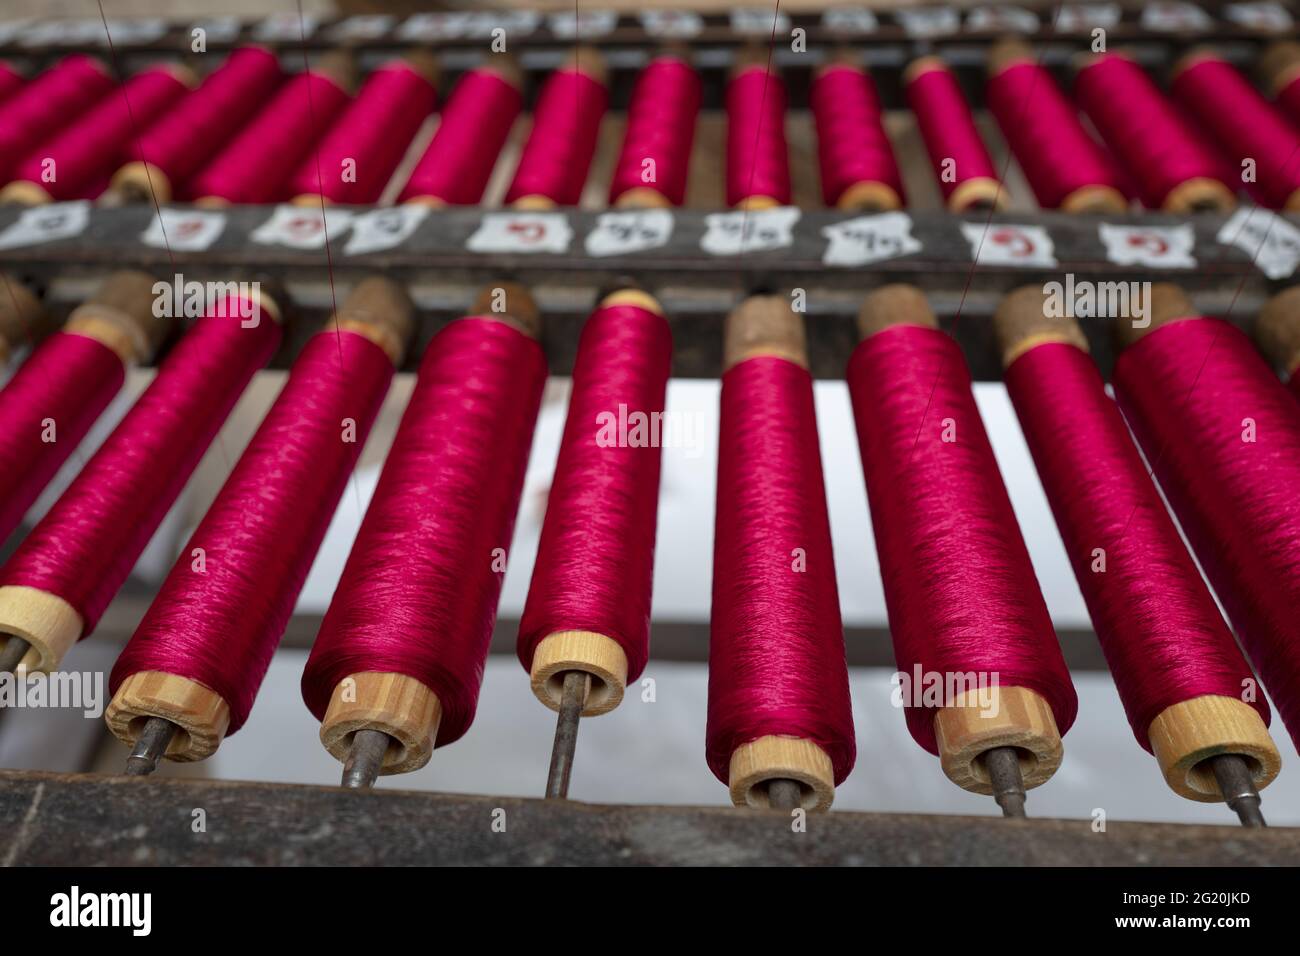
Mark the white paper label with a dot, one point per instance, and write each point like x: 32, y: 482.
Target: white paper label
x: 850, y: 20
x: 934, y: 21
x: 1156, y: 247
x: 867, y: 239
x: 367, y: 27
x: 1174, y: 17
x: 1259, y: 16
x: 758, y: 21
x: 675, y: 24
x: 522, y: 232
x: 217, y: 29
x: 1002, y: 19
x: 1004, y: 244
x: 586, y: 24
x: 384, y: 228
x: 184, y: 230
x: 286, y: 26
x: 41, y: 224
x: 302, y: 227
x: 621, y: 233
x: 1082, y: 17
x: 739, y: 232
x: 1272, y: 243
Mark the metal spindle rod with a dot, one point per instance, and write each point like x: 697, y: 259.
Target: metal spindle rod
x: 1003, y: 766
x: 577, y: 684
x: 365, y: 759
x: 1237, y: 785
x: 150, y: 746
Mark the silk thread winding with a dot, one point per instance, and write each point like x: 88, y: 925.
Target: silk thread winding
x: 948, y: 130
x: 758, y: 160
x: 47, y: 104
x: 660, y: 131
x: 558, y: 154
x: 852, y: 146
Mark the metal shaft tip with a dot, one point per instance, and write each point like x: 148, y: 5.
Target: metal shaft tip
x: 365, y: 759
x: 1237, y: 785
x: 1003, y: 766
x: 15, y: 650
x: 784, y: 794
x: 150, y: 747
x: 577, y: 684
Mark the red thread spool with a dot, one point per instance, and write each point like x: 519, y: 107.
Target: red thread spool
x: 1065, y: 167
x: 1176, y: 665
x: 66, y: 384
x: 199, y: 656
x: 566, y: 123
x: 256, y: 163
x: 84, y: 155
x: 1280, y: 69
x: 660, y: 131
x: 1191, y: 388
x: 173, y: 148
x: 372, y: 135
x: 962, y: 164
x: 858, y: 170
x: 588, y: 604
x: 57, y: 584
x: 11, y: 81
x: 1244, y: 124
x: 47, y: 104
x: 1278, y: 335
x: 779, y: 704
x: 959, y: 586
x: 1174, y: 170
x: 455, y: 168
x: 758, y: 161
x: 404, y: 643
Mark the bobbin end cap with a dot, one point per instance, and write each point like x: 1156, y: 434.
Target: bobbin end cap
x: 1007, y: 53
x: 506, y: 67
x: 127, y: 297
x: 339, y: 66
x: 424, y: 64
x: 1197, y: 54
x: 1277, y: 330
x: 924, y: 64
x: 751, y: 56
x: 380, y: 309
x: 21, y: 314
x: 511, y: 303
x: 1023, y: 320
x: 764, y: 325
x: 1279, y: 65
x: 1185, y: 735
x: 894, y: 304
x: 1167, y: 303
x: 588, y: 60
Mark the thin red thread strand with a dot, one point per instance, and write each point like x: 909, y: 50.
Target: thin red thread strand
x: 1186, y: 389
x: 259, y: 538
x: 254, y: 165
x: 595, y: 561
x: 458, y: 162
x: 959, y: 586
x: 660, y: 127
x: 69, y: 379
x: 1245, y: 126
x: 84, y: 548
x: 566, y: 123
x: 419, y: 592
x: 1148, y: 134
x: 47, y: 104
x: 11, y: 81
x: 776, y: 644
x: 86, y: 153
x: 374, y: 132
x: 181, y: 139
x: 758, y: 160
x: 1163, y: 636
x: 1043, y: 130
x: 852, y: 146
x: 948, y: 129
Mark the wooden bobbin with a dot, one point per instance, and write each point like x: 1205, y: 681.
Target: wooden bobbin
x: 404, y: 708
x: 643, y: 197
x: 1279, y: 67
x: 1187, y: 734
x: 1277, y: 330
x: 382, y: 311
x: 894, y: 304
x: 866, y: 195
x: 1167, y: 303
x: 121, y: 316
x: 200, y: 713
x: 594, y: 654
x: 21, y: 316
x: 139, y: 181
x: 45, y: 621
x: 765, y: 325
x: 978, y: 721
x: 1021, y: 322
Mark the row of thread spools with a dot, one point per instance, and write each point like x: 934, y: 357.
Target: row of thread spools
x: 248, y: 134
x: 402, y: 648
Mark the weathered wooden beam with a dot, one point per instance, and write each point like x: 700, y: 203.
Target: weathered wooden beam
x: 80, y: 820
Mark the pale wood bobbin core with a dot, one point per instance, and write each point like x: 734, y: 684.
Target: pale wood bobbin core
x: 1022, y: 321
x: 200, y: 714
x: 1200, y: 194
x: 643, y: 197
x: 511, y: 303
x: 139, y: 181
x: 394, y: 704
x: 755, y: 764
x: 981, y: 720
x: 121, y: 316
x: 894, y: 304
x: 1186, y: 735
x: 380, y: 310
x: 48, y: 623
x: 1279, y: 67
x: 1277, y: 330
x: 21, y: 316
x: 1096, y: 200
x: 1167, y: 303
x: 764, y: 325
